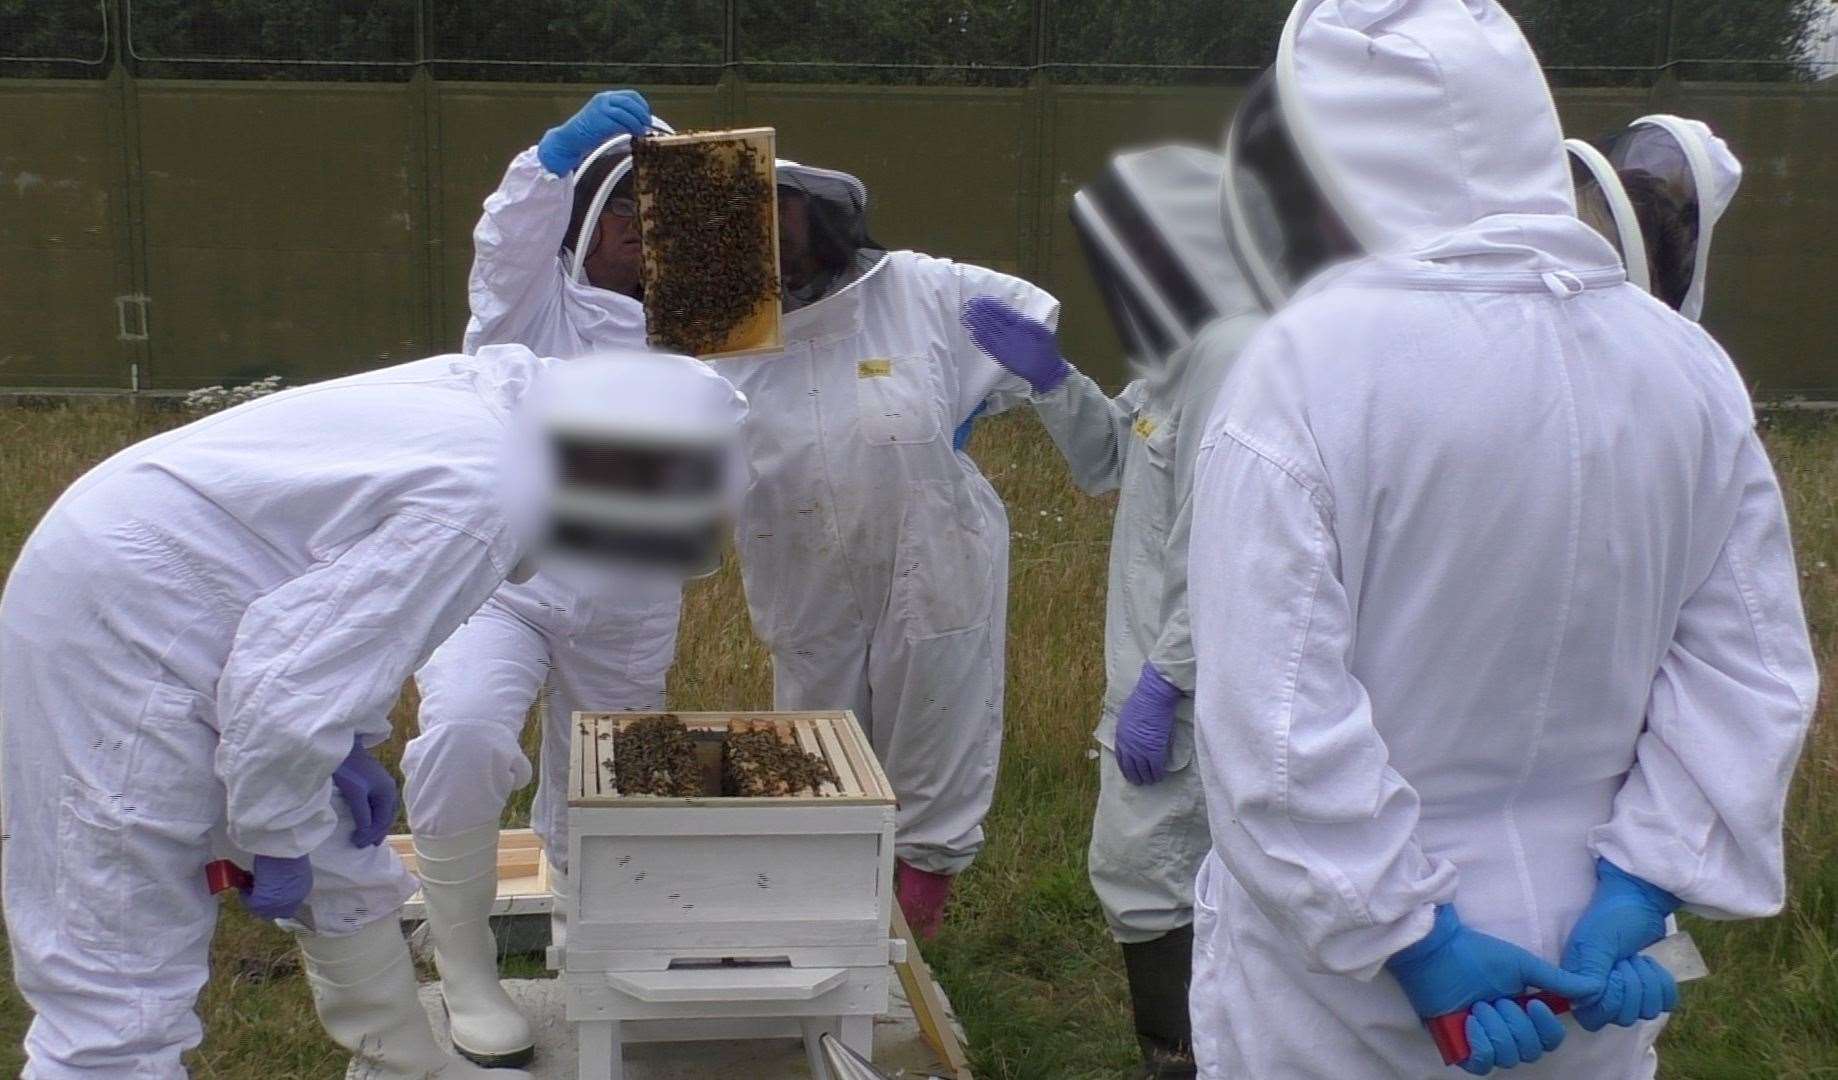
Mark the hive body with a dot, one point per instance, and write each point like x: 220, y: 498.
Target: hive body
x: 703, y: 916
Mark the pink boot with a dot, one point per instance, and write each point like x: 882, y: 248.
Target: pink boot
x: 922, y: 896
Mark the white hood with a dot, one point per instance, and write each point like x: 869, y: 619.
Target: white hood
x: 1420, y: 118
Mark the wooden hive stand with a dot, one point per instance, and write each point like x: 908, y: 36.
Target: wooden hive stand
x: 709, y: 917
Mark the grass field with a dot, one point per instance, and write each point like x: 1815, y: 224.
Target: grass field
x: 1025, y: 955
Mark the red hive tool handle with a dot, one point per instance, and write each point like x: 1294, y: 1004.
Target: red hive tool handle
x: 224, y: 874
x: 1450, y: 1030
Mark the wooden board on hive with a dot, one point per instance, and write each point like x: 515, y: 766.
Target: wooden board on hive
x: 708, y: 216
x: 833, y: 736
x: 523, y: 874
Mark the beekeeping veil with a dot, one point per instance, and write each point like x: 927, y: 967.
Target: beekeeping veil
x: 627, y: 459
x: 1156, y: 247
x: 838, y: 217
x: 594, y: 182
x: 1679, y: 179
x: 1603, y: 203
x: 1383, y: 127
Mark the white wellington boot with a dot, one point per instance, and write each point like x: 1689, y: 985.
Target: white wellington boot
x: 364, y: 988
x: 459, y: 884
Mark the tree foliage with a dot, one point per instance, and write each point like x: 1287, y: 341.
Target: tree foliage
x: 974, y: 41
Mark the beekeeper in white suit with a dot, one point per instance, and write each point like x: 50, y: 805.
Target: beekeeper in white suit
x: 555, y: 267
x: 1500, y: 649
x: 1656, y: 190
x: 196, y: 645
x: 875, y: 555
x: 1156, y: 247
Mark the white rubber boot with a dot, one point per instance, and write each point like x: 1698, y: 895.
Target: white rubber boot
x: 459, y: 883
x: 364, y: 988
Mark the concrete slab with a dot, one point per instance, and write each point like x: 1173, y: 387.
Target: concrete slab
x: 898, y: 1049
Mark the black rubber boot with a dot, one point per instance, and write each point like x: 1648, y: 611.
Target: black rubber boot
x: 1159, y: 973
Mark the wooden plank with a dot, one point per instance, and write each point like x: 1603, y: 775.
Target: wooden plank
x: 861, y: 757
x: 650, y: 802
x: 848, y: 779
x: 874, y: 778
x: 811, y: 744
x: 575, y: 788
x: 928, y: 1003
x: 606, y: 778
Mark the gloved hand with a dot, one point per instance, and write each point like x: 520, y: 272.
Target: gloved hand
x: 606, y: 114
x: 281, y: 886
x: 1625, y: 915
x: 1145, y: 726
x: 922, y: 895
x: 370, y: 791
x: 1018, y: 343
x: 1455, y: 968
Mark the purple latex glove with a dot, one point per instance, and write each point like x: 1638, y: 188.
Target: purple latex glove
x: 1020, y: 344
x: 1145, y: 726
x: 280, y: 887
x: 370, y: 791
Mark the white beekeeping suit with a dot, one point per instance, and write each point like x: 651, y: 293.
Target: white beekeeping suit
x: 1490, y: 573
x: 190, y: 642
x: 605, y: 648
x: 1155, y: 245
x: 875, y: 556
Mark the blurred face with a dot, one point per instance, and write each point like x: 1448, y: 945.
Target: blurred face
x: 797, y: 261
x: 614, y: 261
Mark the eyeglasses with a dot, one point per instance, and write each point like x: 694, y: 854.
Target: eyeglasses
x: 621, y: 206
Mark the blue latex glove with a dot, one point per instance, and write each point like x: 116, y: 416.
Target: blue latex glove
x: 280, y: 887
x: 370, y: 791
x: 1625, y: 915
x: 1145, y: 726
x: 961, y: 437
x: 1455, y: 968
x: 606, y: 114
x: 1020, y: 344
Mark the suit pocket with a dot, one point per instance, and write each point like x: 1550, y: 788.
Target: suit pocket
x: 171, y: 776
x: 92, y: 894
x: 944, y: 562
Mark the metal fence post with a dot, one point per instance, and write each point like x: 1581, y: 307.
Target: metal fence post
x: 1037, y: 167
x: 1662, y: 47
x: 131, y: 244
x: 730, y: 93
x: 424, y: 102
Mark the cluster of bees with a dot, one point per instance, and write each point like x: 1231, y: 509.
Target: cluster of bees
x: 758, y: 759
x: 707, y: 220
x: 657, y: 755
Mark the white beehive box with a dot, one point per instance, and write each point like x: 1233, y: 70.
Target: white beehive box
x: 711, y: 916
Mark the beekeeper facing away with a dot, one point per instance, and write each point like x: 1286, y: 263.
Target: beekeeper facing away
x: 1155, y: 245
x: 1500, y: 651
x: 206, y: 632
